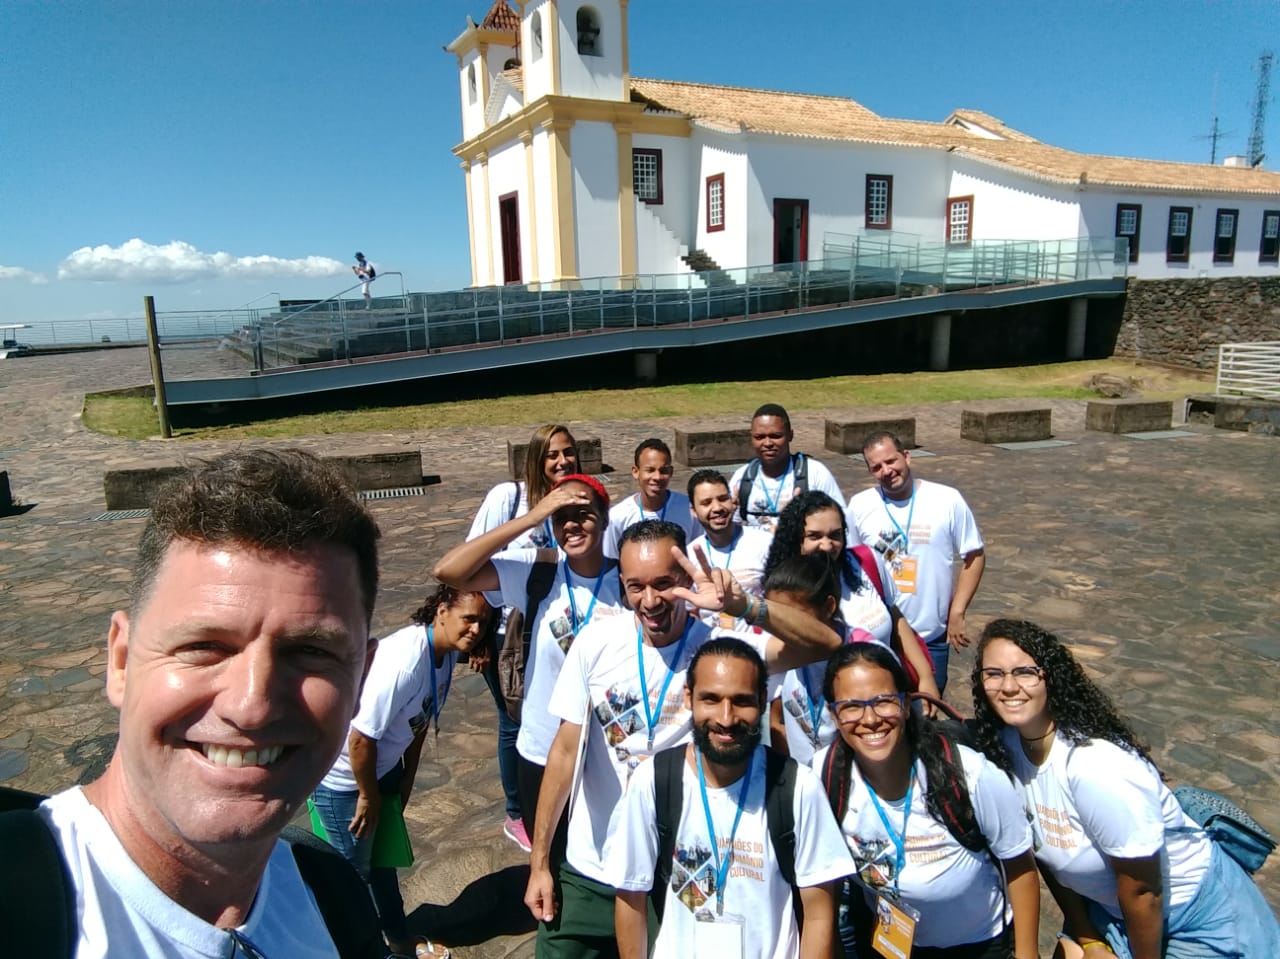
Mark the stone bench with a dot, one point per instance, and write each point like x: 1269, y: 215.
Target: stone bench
x: 1247, y: 414
x: 696, y: 448
x: 846, y: 436
x: 1006, y: 423
x: 590, y: 457
x: 137, y: 488
x: 1128, y: 415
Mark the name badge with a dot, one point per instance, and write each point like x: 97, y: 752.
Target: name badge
x: 727, y: 621
x: 723, y: 937
x: 904, y: 573
x: 895, y: 927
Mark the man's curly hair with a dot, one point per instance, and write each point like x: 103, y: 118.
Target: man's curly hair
x: 1080, y: 710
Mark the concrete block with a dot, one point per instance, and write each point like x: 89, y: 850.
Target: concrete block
x: 590, y: 457
x: 387, y: 470
x: 1128, y: 415
x: 1247, y: 414
x: 846, y: 436
x: 137, y: 488
x: 1006, y: 423
x: 713, y: 447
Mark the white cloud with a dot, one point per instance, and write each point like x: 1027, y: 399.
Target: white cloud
x: 22, y: 274
x: 178, y: 262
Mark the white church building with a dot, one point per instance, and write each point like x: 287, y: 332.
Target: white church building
x: 575, y: 169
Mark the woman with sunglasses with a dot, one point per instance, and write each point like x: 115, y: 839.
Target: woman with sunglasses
x: 552, y: 454
x: 814, y: 523
x: 1133, y: 875
x: 934, y: 828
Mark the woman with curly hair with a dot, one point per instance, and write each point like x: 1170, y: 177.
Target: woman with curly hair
x: 814, y: 523
x: 552, y: 453
x: 403, y: 695
x: 1133, y: 875
x: 935, y: 829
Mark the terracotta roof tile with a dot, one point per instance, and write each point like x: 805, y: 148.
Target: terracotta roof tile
x: 988, y: 122
x: 501, y: 17
x: 515, y: 77
x: 738, y: 109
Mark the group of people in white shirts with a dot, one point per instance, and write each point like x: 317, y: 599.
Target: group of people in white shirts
x: 764, y: 607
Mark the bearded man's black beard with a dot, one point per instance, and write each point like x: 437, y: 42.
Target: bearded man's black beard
x: 748, y: 738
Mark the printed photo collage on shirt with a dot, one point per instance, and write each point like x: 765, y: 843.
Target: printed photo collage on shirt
x: 693, y: 876
x: 619, y: 715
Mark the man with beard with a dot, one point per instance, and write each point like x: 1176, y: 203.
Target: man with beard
x: 742, y: 550
x: 619, y: 698
x: 727, y: 896
x: 768, y: 483
x: 919, y: 527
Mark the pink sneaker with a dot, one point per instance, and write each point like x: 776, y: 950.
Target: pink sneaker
x: 513, y: 829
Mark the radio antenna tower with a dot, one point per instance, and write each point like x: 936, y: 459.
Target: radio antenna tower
x: 1262, y: 99
x: 1214, y: 134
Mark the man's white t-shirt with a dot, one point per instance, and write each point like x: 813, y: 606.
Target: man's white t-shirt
x: 942, y: 527
x: 745, y: 559
x: 956, y: 890
x: 627, y: 512
x: 121, y: 912
x: 754, y: 889
x: 557, y: 621
x: 1097, y: 800
x: 602, y: 672
x: 502, y: 504
x: 770, y: 496
x: 395, y: 703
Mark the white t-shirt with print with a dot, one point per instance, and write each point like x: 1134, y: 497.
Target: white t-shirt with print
x: 395, y: 702
x: 1107, y: 801
x: 745, y: 559
x: 754, y: 889
x: 770, y: 496
x: 627, y: 512
x: 121, y: 912
x: 502, y: 504
x: 942, y: 527
x: 552, y: 637
x: 957, y: 891
x: 602, y: 672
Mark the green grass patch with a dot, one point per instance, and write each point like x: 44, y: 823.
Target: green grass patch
x: 134, y: 416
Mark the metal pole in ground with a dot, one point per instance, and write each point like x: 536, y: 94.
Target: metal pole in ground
x: 157, y: 370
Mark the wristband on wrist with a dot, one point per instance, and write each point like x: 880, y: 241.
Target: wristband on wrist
x: 749, y: 610
x: 761, y: 612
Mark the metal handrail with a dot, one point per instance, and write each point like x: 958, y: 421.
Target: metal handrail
x: 337, y: 298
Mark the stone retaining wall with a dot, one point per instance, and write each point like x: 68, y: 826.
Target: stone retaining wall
x: 1182, y: 322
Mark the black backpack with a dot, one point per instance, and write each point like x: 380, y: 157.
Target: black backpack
x: 799, y: 465
x: 38, y: 903
x: 779, y: 793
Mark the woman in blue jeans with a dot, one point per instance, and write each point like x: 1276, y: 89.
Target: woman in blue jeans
x: 403, y: 696
x: 1134, y: 876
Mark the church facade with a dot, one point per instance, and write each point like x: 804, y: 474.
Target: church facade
x: 575, y: 169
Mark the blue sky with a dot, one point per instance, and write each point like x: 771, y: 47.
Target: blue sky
x: 210, y: 153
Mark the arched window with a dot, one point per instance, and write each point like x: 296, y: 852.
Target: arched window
x: 535, y: 30
x: 471, y: 83
x: 589, y: 42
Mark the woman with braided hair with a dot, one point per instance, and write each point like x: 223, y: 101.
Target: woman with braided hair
x: 1133, y: 875
x: 934, y: 828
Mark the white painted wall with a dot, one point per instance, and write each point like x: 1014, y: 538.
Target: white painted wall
x: 598, y: 78
x: 594, y: 154
x: 1008, y: 206
x: 537, y: 68
x: 666, y: 227
x: 472, y: 109
x: 479, y: 236
x: 719, y: 153
x: 507, y: 175
x: 1098, y: 219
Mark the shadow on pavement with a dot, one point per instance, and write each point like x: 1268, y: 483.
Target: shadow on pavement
x: 491, y: 906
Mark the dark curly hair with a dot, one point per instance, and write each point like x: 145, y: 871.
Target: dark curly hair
x: 1081, y: 711
x: 944, y: 777
x: 789, y: 536
x: 812, y: 577
x: 443, y: 597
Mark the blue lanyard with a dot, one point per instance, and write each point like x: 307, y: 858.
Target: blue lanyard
x: 652, y: 717
x: 771, y: 502
x: 662, y: 514
x: 733, y: 544
x: 573, y: 607
x: 816, y: 703
x: 722, y: 866
x: 437, y: 702
x: 899, y: 841
x: 911, y: 511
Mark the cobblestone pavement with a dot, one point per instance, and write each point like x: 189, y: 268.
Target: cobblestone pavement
x: 1156, y: 558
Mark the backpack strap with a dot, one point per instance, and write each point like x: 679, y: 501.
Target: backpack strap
x: 745, y: 485
x: 870, y: 568
x: 836, y: 787
x: 800, y: 467
x: 668, y: 794
x: 779, y: 805
x: 537, y: 588
x: 37, y: 902
x: 515, y: 503
x: 340, y: 894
